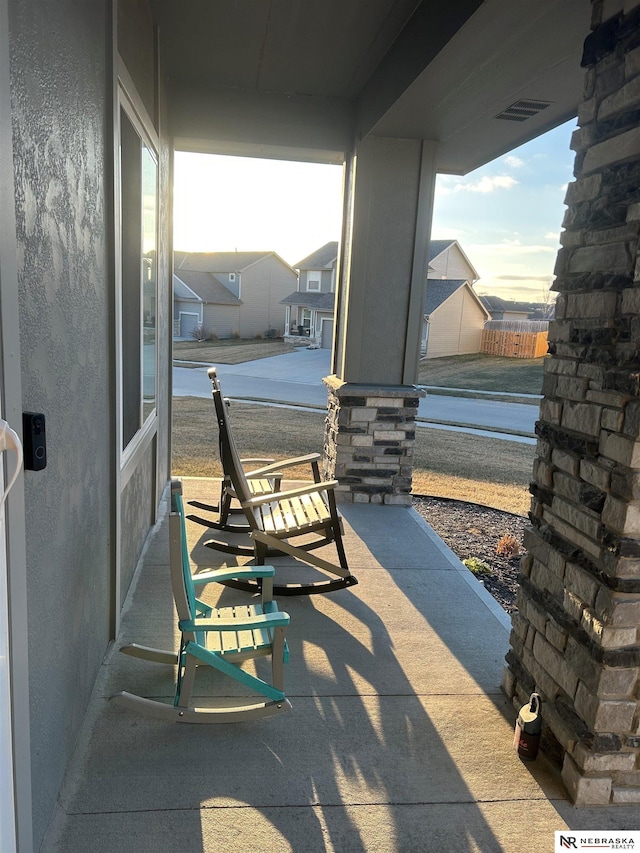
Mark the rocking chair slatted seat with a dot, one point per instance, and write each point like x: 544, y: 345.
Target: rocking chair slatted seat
x: 261, y: 481
x: 220, y: 638
x: 276, y: 518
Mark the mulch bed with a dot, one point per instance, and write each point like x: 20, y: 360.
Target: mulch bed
x: 472, y: 530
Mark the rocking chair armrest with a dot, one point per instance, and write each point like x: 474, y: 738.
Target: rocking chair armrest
x: 312, y: 488
x: 219, y: 575
x: 286, y: 463
x: 262, y: 473
x: 267, y: 620
x: 255, y: 459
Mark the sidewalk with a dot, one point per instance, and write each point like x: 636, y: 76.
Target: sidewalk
x: 399, y: 740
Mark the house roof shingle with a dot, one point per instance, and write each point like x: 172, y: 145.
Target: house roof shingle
x: 207, y: 287
x: 317, y: 301
x: 322, y: 258
x: 183, y: 291
x: 438, y: 291
x: 437, y: 247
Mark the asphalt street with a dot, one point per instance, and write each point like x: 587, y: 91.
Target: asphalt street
x: 296, y: 378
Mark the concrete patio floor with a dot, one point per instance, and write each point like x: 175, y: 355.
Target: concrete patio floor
x: 399, y: 740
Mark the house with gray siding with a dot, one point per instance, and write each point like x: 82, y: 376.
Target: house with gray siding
x: 309, y: 309
x: 448, y: 329
x: 230, y: 293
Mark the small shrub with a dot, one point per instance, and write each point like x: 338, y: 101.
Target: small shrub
x: 508, y: 546
x: 477, y: 566
x: 201, y: 333
x: 235, y: 335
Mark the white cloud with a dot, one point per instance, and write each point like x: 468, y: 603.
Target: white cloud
x: 551, y: 235
x: 514, y: 162
x: 488, y: 185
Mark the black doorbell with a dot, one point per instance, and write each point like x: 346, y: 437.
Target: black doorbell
x: 34, y: 440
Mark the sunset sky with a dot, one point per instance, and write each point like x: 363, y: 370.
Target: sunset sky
x: 506, y: 215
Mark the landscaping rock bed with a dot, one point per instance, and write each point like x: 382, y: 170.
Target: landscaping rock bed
x: 472, y: 530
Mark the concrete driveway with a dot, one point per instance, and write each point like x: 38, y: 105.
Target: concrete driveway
x: 296, y: 378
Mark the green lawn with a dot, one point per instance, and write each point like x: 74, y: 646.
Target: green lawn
x: 490, y: 471
x: 448, y: 464
x: 484, y: 373
x: 228, y: 351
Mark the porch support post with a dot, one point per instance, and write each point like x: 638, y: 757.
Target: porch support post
x: 575, y: 637
x: 373, y: 400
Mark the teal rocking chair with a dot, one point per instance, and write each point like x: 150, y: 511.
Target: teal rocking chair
x: 220, y: 638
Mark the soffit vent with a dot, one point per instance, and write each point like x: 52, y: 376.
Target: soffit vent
x: 522, y: 110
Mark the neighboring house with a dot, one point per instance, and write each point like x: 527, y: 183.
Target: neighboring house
x: 454, y: 329
x: 309, y: 309
x: 453, y: 314
x: 454, y: 318
x: 230, y: 293
x: 509, y: 309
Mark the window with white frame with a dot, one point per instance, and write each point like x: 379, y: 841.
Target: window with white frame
x: 313, y: 280
x: 138, y: 274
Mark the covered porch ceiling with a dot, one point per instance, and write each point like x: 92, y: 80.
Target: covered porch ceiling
x: 304, y: 79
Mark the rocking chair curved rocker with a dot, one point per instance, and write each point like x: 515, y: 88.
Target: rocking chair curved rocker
x: 217, y: 637
x: 263, y: 480
x: 276, y: 518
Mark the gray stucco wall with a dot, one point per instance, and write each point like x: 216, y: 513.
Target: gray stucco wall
x: 59, y: 87
x: 138, y: 514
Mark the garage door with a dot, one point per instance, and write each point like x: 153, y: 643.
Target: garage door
x: 188, y: 322
x: 327, y: 334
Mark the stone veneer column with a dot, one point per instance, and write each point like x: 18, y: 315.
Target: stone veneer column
x: 369, y: 441
x: 384, y: 255
x: 575, y: 636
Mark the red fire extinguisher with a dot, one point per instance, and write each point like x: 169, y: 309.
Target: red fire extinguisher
x: 528, y: 727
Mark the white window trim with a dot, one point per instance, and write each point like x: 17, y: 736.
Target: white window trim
x: 319, y: 280
x: 128, y: 100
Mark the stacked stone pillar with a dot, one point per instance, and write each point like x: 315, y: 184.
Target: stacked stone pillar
x: 575, y: 638
x: 369, y: 441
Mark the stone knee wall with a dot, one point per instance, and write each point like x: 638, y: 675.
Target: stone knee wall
x: 369, y: 441
x: 575, y: 637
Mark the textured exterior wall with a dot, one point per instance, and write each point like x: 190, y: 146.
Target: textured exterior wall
x: 138, y: 511
x: 59, y: 87
x: 575, y: 636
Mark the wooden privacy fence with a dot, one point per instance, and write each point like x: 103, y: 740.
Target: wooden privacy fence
x: 515, y: 338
